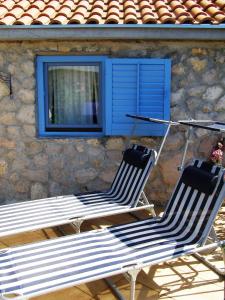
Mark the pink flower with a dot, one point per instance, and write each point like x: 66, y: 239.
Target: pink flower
x: 217, y: 156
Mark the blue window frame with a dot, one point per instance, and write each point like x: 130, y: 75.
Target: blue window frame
x: 135, y: 86
x: 59, y: 106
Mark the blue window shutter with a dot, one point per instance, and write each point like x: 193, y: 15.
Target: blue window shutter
x: 137, y: 86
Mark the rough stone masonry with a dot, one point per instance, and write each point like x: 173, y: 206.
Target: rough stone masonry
x: 31, y: 167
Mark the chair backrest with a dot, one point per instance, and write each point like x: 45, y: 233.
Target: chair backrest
x: 132, y: 174
x: 196, y: 201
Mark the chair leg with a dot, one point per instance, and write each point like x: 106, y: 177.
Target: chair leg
x: 132, y: 288
x: 223, y: 250
x: 146, y: 202
x: 206, y: 262
x: 212, y: 238
x: 114, y: 289
x: 211, y: 266
x: 76, y: 223
x: 131, y: 276
x: 213, y: 235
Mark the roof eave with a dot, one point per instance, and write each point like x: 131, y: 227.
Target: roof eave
x: 113, y: 32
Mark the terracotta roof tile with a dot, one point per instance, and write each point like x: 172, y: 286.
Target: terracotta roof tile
x: 186, y: 20
x: 49, y: 12
x: 76, y: 19
x: 45, y: 12
x: 160, y: 4
x: 112, y: 19
x: 70, y: 3
x: 8, y: 20
x: 8, y: 4
x: 179, y: 11
x: 190, y: 4
x: 99, y: 4
x: 3, y: 11
x: 55, y: 4
x: 39, y: 4
x: 213, y: 11
x: 220, y: 18
x: 24, y: 4
x: 42, y: 19
x: 60, y: 19
x: 220, y: 3
x: 33, y: 12
x: 65, y: 10
x: 17, y: 12
x: 24, y: 20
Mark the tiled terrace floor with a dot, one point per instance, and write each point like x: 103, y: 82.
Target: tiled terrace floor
x: 180, y: 279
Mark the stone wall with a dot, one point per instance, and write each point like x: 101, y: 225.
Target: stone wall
x: 31, y: 167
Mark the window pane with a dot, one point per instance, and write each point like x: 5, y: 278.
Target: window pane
x: 73, y: 95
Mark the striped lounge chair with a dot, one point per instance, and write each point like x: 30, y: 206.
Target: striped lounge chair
x: 39, y: 268
x: 125, y: 195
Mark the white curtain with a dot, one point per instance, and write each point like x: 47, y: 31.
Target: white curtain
x: 73, y: 93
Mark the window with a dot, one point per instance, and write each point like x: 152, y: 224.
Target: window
x: 73, y: 97
x: 91, y: 95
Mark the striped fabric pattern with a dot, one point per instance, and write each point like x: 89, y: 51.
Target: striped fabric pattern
x: 39, y: 268
x: 124, y: 194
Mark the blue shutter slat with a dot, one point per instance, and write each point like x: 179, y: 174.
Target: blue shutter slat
x: 149, y: 93
x: 120, y: 102
x: 124, y: 87
x: 152, y: 74
x: 129, y: 85
x: 156, y: 100
x: 137, y: 86
x: 122, y: 108
x: 152, y: 66
x: 118, y: 91
x: 153, y: 86
x: 147, y: 108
